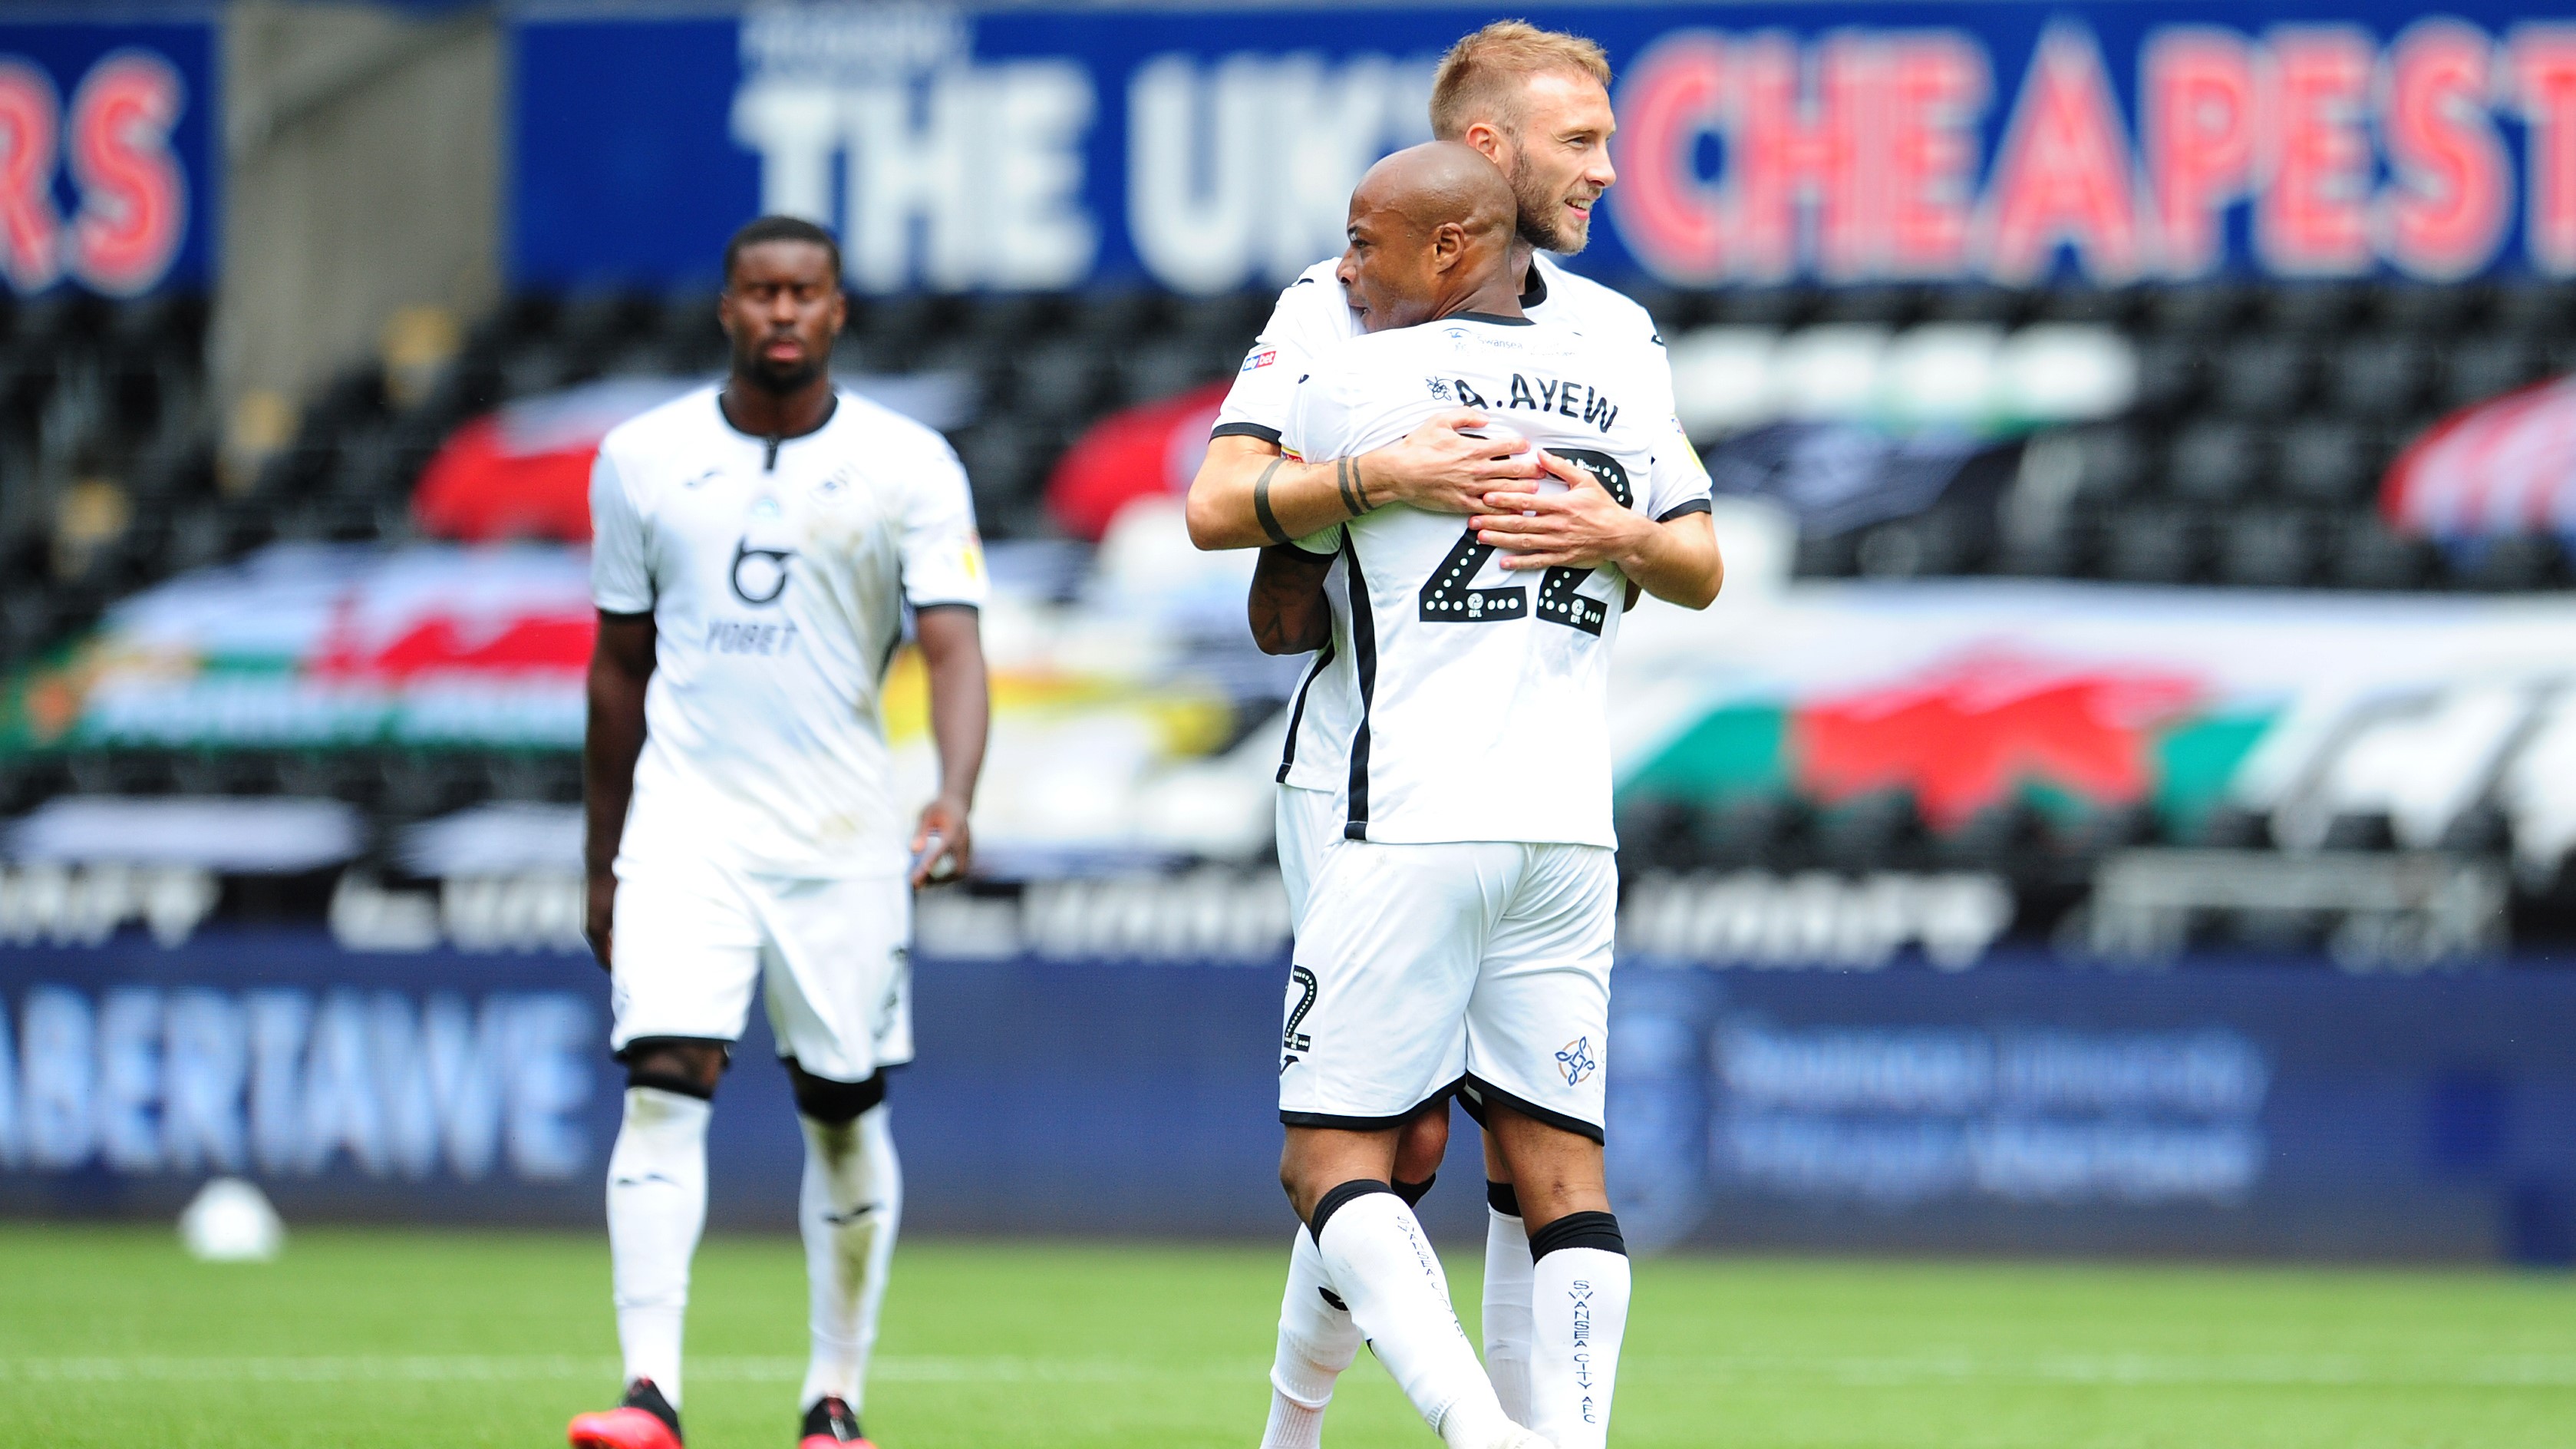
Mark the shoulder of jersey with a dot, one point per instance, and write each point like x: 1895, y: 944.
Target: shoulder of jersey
x: 1594, y: 303
x: 656, y: 426
x: 891, y: 430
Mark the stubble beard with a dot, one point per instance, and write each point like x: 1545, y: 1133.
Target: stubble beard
x: 1540, y: 225
x: 778, y: 382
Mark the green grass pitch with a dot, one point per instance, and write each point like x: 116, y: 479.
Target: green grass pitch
x: 390, y: 1339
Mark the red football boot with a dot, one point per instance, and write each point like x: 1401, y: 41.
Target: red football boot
x: 645, y: 1420
x: 831, y: 1425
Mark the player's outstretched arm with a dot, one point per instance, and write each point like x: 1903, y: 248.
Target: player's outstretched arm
x: 1288, y: 610
x: 952, y: 646
x: 621, y: 664
x: 1584, y: 527
x: 1435, y: 467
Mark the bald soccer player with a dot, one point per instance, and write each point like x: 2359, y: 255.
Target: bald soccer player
x: 1454, y: 932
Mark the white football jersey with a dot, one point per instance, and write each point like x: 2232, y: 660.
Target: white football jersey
x: 1314, y: 312
x: 1456, y: 700
x: 776, y: 577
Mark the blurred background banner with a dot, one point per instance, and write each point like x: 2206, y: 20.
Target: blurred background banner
x: 1206, y: 151
x: 2123, y: 801
x: 2285, y: 1114
x: 111, y: 178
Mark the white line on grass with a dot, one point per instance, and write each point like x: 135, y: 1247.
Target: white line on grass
x: 463, y: 1368
x: 1858, y: 1371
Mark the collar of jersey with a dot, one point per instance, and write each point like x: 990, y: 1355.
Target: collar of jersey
x: 1489, y: 317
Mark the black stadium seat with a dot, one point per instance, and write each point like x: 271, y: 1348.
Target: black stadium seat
x: 2262, y: 376
x: 2154, y: 544
x: 2217, y: 460
x: 2327, y: 460
x: 2379, y: 377
x: 2271, y: 548
x: 2478, y: 368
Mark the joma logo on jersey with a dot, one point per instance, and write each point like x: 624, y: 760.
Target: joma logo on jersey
x: 1567, y: 398
x: 1577, y: 1061
x: 759, y: 575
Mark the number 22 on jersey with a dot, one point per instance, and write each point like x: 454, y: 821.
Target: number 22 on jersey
x: 1447, y: 599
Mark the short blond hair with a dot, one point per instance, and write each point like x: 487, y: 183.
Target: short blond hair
x: 1480, y: 79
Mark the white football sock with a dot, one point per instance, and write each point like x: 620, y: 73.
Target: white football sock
x: 1316, y: 1342
x: 850, y: 1208
x: 1380, y: 1263
x: 1579, y: 1303
x: 1507, y: 1310
x: 657, y: 1205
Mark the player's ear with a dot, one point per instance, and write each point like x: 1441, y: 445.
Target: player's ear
x: 1448, y: 244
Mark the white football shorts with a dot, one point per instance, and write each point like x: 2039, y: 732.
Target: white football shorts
x: 692, y: 940
x: 1482, y: 966
x: 1308, y: 820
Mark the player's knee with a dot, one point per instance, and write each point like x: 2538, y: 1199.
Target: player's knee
x: 1421, y: 1146
x: 831, y: 1102
x: 690, y: 1068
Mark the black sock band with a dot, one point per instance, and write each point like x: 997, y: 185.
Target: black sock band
x: 1500, y: 1197
x: 1332, y: 1200
x: 1579, y: 1230
x: 1414, y: 1192
x: 833, y: 1103
x: 671, y: 1082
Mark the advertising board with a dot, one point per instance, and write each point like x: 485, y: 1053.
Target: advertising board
x: 1026, y: 148
x: 108, y: 181
x: 2281, y: 1110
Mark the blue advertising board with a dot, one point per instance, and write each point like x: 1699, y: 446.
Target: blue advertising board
x: 1206, y: 151
x: 2269, y: 1111
x: 107, y: 156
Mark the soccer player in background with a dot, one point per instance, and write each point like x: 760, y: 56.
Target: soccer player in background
x: 1457, y: 926
x: 756, y: 545
x: 1536, y: 103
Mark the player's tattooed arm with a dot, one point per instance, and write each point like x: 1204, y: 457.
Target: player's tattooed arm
x: 1288, y: 610
x: 621, y: 664
x: 952, y: 648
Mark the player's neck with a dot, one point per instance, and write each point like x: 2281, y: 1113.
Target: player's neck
x: 1498, y: 296
x: 756, y: 410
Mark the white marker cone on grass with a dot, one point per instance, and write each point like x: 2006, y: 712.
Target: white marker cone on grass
x: 231, y: 1221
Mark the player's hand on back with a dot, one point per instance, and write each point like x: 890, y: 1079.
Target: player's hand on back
x: 1440, y: 467
x: 1581, y: 526
x: 942, y: 846
x: 598, y: 909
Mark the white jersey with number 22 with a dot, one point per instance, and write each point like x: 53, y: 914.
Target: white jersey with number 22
x: 1457, y: 700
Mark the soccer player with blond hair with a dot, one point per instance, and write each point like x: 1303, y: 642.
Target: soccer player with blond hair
x: 1535, y: 103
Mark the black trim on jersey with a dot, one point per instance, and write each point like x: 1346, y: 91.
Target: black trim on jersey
x: 623, y: 617
x: 1297, y: 712
x: 1496, y: 319
x: 1245, y: 430
x: 1473, y: 1090
x: 1535, y: 289
x: 1364, y: 658
x: 970, y: 608
x: 1683, y: 510
x: 1339, y: 1122
x: 772, y: 440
